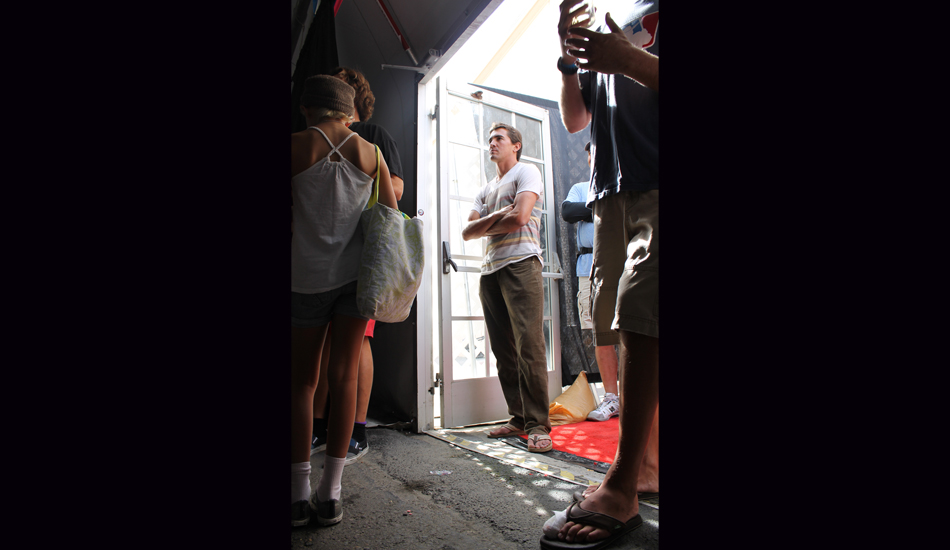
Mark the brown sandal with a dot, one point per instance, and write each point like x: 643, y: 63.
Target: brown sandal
x: 542, y: 443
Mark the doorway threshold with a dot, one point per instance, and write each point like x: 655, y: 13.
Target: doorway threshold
x: 475, y: 439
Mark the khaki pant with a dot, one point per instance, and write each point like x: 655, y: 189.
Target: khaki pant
x: 625, y: 278
x: 583, y: 302
x: 513, y: 301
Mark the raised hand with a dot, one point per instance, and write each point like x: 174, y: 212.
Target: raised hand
x: 601, y: 52
x: 568, y: 14
x: 613, y: 53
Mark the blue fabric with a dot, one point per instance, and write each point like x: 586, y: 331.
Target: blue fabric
x: 585, y: 230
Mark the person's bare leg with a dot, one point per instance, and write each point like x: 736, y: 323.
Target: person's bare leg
x: 607, y: 364
x: 346, y: 344
x: 649, y: 479
x: 364, y: 387
x: 639, y: 387
x: 323, y: 388
x: 305, y: 350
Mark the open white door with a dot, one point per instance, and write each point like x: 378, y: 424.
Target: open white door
x: 457, y: 136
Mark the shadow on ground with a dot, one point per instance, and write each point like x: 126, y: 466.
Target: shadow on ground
x: 400, y: 496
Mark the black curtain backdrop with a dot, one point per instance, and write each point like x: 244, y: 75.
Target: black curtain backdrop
x: 393, y: 399
x: 318, y: 56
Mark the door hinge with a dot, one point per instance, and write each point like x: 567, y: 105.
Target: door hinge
x: 437, y: 383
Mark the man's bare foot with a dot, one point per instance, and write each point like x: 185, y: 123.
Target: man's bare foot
x: 641, y: 488
x: 602, y: 500
x: 505, y: 431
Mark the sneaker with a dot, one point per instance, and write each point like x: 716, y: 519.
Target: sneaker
x: 609, y: 408
x: 328, y: 513
x: 319, y: 443
x: 356, y: 451
x: 299, y: 513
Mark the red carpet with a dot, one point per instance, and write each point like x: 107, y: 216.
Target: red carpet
x: 593, y: 440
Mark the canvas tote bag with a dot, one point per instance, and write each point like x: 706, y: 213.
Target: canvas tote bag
x: 392, y: 263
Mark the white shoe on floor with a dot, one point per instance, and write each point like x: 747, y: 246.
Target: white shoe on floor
x: 608, y: 408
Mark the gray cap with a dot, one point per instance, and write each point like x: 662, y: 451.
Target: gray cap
x: 328, y: 92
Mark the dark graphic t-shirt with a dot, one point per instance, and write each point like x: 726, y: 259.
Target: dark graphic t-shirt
x: 624, y: 113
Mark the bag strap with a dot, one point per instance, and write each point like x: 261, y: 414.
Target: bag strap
x: 374, y: 196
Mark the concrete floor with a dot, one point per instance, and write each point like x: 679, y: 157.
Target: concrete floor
x: 454, y: 490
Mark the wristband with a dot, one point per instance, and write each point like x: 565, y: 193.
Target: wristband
x: 566, y: 69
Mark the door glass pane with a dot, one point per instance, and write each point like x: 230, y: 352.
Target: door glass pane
x: 547, y: 297
x: 468, y: 348
x: 492, y: 115
x: 464, y: 176
x: 544, y: 241
x: 465, y: 300
x: 459, y: 211
x: 476, y: 264
x: 462, y: 124
x: 548, y: 347
x: 531, y: 136
x: 489, y: 172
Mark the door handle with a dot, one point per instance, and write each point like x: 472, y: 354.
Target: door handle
x: 447, y: 258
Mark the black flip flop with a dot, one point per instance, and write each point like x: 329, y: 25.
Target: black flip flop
x: 579, y: 515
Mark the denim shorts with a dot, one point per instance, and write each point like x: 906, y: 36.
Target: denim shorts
x: 315, y: 310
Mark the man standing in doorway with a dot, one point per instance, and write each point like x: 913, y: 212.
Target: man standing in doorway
x: 507, y: 212
x: 574, y: 210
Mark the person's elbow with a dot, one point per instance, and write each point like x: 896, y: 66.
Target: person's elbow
x: 469, y: 232
x: 574, y: 115
x: 398, y: 187
x: 522, y: 217
x: 523, y: 207
x: 576, y: 123
x: 565, y: 206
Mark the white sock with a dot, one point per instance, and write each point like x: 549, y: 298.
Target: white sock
x: 330, y: 486
x: 299, y: 481
x: 553, y: 525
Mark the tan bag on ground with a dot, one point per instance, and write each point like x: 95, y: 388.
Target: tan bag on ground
x: 574, y: 404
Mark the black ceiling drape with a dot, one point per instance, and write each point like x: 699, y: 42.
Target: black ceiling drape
x: 318, y: 56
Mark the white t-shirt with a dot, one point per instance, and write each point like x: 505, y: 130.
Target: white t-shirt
x: 523, y: 242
